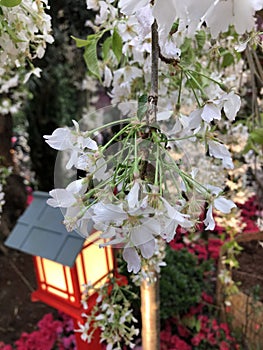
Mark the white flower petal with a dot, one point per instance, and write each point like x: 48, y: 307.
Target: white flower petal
x: 128, y: 7
x: 224, y: 205
x: 108, y: 213
x: 60, y: 139
x: 147, y: 249
x: 132, y: 258
x: 211, y: 112
x: 89, y: 143
x: 220, y: 151
x: 214, y: 189
x: 77, y: 186
x: 165, y: 13
x: 140, y: 235
x: 133, y: 196
x: 209, y: 220
x: 232, y: 106
x: 145, y: 19
x: 61, y: 198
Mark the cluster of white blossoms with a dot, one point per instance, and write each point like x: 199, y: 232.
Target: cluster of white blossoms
x: 136, y: 189
x: 112, y: 313
x: 134, y: 192
x: 24, y: 34
x: 134, y: 28
x: 140, y: 191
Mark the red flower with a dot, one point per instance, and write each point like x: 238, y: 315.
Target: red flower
x: 182, y: 331
x: 179, y: 344
x: 176, y: 246
x: 207, y: 298
x: 225, y: 328
x: 224, y: 346
x: 211, y: 338
x: 165, y: 336
x: 196, y: 340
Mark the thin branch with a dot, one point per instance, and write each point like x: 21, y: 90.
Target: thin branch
x: 153, y: 97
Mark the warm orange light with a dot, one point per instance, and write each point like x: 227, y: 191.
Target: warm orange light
x: 94, y: 264
x: 55, y: 278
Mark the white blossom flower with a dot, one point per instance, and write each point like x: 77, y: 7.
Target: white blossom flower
x: 73, y: 140
x: 239, y: 13
x: 173, y: 218
x: 229, y: 102
x: 231, y: 105
x: 220, y: 151
x: 220, y: 203
x: 129, y: 7
x: 145, y: 20
x: 210, y: 112
x: 131, y: 256
x: 170, y: 50
x: 36, y: 71
x: 93, y: 5
x: 107, y: 76
x: 60, y: 139
x: 165, y: 13
x: 65, y: 198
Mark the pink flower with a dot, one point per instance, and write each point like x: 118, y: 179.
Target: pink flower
x: 211, y: 338
x: 179, y: 344
x: 224, y: 346
x: 183, y: 331
x: 225, y: 328
x: 207, y: 298
x: 196, y: 340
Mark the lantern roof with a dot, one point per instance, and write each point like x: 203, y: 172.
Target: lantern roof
x: 40, y: 231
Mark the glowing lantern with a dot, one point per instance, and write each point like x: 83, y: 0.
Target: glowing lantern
x: 63, y: 260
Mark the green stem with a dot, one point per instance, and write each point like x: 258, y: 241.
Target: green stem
x: 193, y: 89
x: 116, y: 122
x: 156, y: 182
x: 115, y: 137
x: 180, y: 89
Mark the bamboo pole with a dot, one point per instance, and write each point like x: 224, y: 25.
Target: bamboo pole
x: 150, y: 311
x: 150, y: 300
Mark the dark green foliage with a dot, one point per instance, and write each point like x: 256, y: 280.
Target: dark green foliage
x: 56, y: 100
x: 181, y: 283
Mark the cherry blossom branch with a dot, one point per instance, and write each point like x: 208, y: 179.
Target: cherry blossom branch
x: 153, y: 97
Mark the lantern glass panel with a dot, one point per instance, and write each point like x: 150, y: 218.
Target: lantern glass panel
x: 94, y: 263
x: 54, y: 274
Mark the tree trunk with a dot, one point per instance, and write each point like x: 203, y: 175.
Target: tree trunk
x: 14, y: 189
x: 6, y: 126
x: 150, y: 306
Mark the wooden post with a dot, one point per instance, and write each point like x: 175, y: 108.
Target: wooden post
x: 150, y: 311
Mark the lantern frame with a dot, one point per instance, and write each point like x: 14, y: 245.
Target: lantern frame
x: 70, y: 302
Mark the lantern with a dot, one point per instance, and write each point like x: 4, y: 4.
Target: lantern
x: 64, y: 261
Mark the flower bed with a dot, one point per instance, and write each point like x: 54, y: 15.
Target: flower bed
x: 51, y: 334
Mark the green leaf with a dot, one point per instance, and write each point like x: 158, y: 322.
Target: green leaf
x: 91, y: 58
x: 198, y: 326
x: 228, y: 59
x: 257, y: 136
x: 200, y: 39
x: 189, y: 321
x: 80, y: 42
x: 117, y: 44
x: 10, y: 3
x: 106, y: 47
x: 142, y: 106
